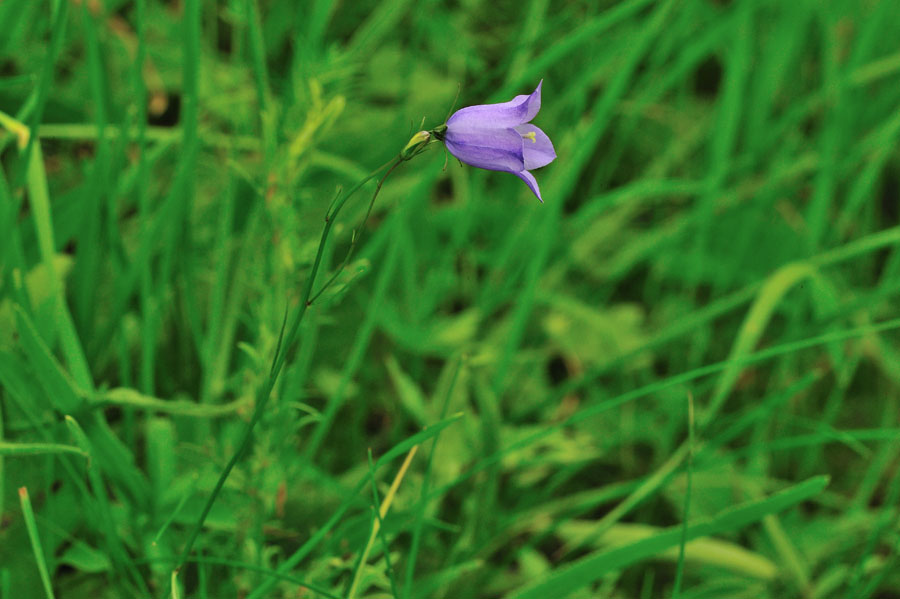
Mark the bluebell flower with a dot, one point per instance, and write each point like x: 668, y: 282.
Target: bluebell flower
x: 500, y: 137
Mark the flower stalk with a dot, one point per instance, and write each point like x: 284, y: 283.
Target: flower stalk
x: 288, y: 334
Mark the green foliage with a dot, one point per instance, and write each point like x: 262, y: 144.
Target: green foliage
x: 720, y: 228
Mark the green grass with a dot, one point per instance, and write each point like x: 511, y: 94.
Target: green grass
x: 220, y: 375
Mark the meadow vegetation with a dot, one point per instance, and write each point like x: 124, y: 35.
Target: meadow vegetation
x: 677, y: 377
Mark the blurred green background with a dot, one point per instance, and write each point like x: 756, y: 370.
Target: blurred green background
x: 678, y: 377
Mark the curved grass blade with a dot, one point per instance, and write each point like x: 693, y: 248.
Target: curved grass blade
x: 591, y: 568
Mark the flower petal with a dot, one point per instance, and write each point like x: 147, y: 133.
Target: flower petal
x: 520, y: 109
x: 492, y: 149
x: 537, y: 149
x: 531, y: 182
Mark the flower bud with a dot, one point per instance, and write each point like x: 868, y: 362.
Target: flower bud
x: 416, y: 143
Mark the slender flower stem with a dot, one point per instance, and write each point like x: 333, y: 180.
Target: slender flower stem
x: 285, y: 342
x: 355, y: 236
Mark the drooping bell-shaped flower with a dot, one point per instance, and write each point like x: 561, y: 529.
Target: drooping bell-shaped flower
x: 499, y: 137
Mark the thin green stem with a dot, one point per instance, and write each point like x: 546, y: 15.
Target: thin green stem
x: 355, y: 237
x: 285, y: 343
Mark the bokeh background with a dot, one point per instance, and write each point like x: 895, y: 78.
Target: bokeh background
x: 677, y: 377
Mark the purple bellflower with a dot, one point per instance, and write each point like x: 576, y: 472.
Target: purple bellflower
x: 500, y: 137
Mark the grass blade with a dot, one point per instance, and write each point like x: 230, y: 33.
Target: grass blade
x: 28, y: 449
x: 31, y: 525
x: 568, y: 579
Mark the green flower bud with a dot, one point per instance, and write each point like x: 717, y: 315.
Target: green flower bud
x: 416, y: 143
